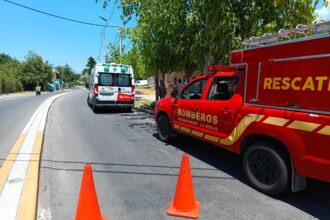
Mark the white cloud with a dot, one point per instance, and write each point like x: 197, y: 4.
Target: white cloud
x: 324, y: 13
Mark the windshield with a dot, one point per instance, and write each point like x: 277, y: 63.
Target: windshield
x: 112, y: 79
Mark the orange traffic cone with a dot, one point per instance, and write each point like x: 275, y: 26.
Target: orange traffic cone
x: 88, y: 206
x: 184, y: 203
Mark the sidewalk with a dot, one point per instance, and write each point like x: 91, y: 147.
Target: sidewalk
x: 14, y: 95
x: 26, y: 93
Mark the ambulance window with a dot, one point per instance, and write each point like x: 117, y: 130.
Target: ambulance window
x: 123, y: 80
x: 222, y: 88
x: 106, y: 79
x: 194, y: 90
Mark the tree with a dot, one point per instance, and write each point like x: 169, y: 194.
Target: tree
x: 4, y: 58
x: 209, y: 27
x: 35, y: 71
x: 89, y: 66
x: 67, y: 74
x: 179, y: 34
x: 10, y: 69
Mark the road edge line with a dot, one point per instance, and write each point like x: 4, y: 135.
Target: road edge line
x: 10, y: 159
x: 29, y: 198
x: 28, y: 205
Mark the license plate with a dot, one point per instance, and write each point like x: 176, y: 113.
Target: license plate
x: 106, y: 94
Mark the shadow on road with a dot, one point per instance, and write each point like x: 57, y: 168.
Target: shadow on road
x: 112, y: 111
x: 125, y: 169
x: 314, y: 200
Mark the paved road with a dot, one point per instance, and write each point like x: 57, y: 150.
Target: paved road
x: 135, y: 174
x: 15, y: 112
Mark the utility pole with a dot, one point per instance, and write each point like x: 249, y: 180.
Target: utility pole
x: 62, y: 77
x: 105, y: 46
x: 120, y: 53
x: 109, y: 24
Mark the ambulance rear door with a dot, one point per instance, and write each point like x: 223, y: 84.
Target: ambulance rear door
x: 115, y: 87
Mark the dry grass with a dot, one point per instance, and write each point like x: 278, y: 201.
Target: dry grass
x: 140, y: 102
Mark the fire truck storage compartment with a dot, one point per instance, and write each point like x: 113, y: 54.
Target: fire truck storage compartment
x: 298, y: 83
x: 288, y: 75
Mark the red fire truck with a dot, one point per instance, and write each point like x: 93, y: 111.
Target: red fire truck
x: 272, y: 106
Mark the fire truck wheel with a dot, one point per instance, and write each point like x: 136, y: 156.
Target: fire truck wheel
x: 164, y: 128
x: 266, y: 168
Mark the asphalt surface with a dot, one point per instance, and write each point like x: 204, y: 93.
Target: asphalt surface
x: 135, y: 174
x: 15, y: 112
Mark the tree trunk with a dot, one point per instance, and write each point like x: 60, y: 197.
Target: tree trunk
x: 163, y: 76
x: 14, y: 86
x: 0, y: 87
x: 156, y: 85
x: 209, y: 60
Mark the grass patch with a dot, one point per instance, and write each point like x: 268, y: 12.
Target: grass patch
x: 139, y: 102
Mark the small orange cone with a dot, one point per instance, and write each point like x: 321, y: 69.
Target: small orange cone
x: 184, y: 203
x: 88, y: 206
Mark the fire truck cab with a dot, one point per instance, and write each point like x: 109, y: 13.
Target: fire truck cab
x: 271, y: 106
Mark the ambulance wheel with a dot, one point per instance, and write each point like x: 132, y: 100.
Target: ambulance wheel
x: 88, y: 101
x: 267, y: 169
x: 95, y: 108
x: 129, y: 109
x: 164, y: 128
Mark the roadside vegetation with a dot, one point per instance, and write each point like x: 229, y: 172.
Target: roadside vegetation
x: 17, y: 76
x: 185, y: 36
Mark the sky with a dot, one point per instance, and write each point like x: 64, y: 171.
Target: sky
x: 59, y: 41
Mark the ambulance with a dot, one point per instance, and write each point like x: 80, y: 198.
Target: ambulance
x: 271, y: 106
x: 111, y: 85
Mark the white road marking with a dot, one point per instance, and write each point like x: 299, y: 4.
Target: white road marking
x: 11, y: 193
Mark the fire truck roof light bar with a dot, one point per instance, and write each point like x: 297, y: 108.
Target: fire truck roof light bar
x: 219, y: 68
x: 319, y: 27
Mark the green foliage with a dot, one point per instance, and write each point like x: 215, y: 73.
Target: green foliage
x: 35, y: 71
x: 4, y: 58
x: 10, y: 76
x: 176, y: 35
x: 67, y: 74
x: 89, y: 66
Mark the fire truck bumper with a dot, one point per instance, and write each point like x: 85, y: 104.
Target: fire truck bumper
x: 114, y: 103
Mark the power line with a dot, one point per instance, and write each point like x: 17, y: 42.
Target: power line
x: 60, y: 17
x: 113, y: 10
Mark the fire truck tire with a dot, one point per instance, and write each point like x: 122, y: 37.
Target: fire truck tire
x: 164, y: 129
x: 267, y: 169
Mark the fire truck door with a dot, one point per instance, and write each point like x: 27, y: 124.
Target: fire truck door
x: 222, y: 104
x: 188, y: 105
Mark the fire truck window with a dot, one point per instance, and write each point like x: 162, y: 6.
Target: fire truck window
x: 223, y: 89
x: 194, y: 90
